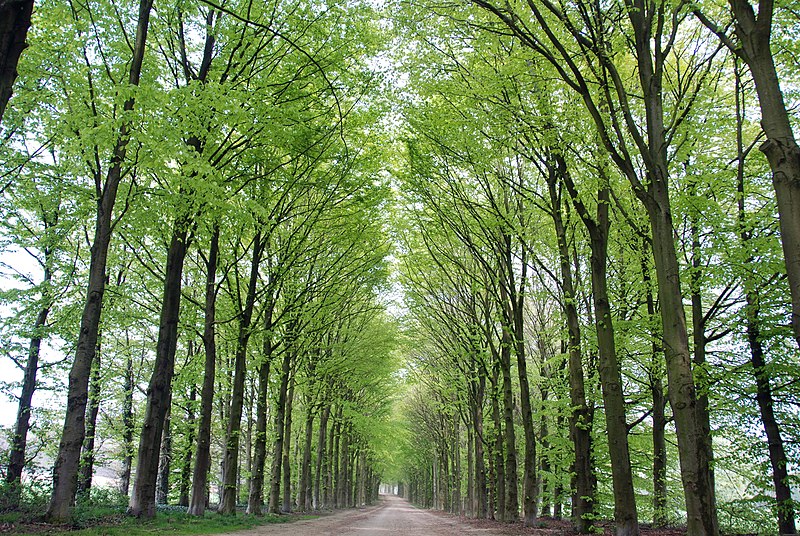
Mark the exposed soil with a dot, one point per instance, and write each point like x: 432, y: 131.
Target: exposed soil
x: 395, y: 516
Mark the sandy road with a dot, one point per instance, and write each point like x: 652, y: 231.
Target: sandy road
x: 392, y: 515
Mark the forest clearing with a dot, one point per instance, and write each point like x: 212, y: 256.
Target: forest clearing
x: 421, y: 267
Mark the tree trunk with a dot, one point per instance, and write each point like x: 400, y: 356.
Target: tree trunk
x: 781, y: 149
x: 659, y: 404
x: 159, y: 390
x: 287, y: 444
x: 65, y: 470
x: 343, y: 478
x: 164, y: 461
x: 511, y: 512
x: 255, y: 500
x: 470, y: 471
x: 625, y: 515
x: 498, y: 509
x: 696, y: 476
x: 580, y: 422
x: 15, y: 19
x: 186, y: 464
x: 530, y: 485
x: 305, y: 488
x: 333, y: 457
x: 775, y: 445
x: 694, y: 462
x: 16, y: 455
x: 230, y: 462
x: 280, y: 413
x: 202, y: 463
x: 88, y: 454
x: 701, y: 376
x: 321, y: 458
x: 480, y: 507
x: 127, y: 424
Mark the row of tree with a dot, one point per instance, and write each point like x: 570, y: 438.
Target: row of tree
x: 195, y: 188
x: 580, y: 179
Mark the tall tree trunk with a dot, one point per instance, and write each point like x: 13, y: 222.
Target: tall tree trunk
x: 230, y: 462
x: 65, y: 470
x: 470, y: 470
x: 16, y: 455
x: 305, y: 488
x: 625, y: 515
x: 287, y: 444
x: 159, y: 390
x: 511, y: 512
x: 499, y: 470
x: 699, y: 342
x: 319, y: 480
x: 127, y: 423
x: 280, y: 413
x: 480, y: 497
x: 333, y: 457
x: 343, y: 478
x: 696, y: 475
x: 581, y: 416
x: 456, y: 506
x: 186, y: 463
x: 93, y: 409
x: 775, y: 444
x: 656, y: 375
x: 514, y: 331
x: 164, y: 460
x: 15, y: 19
x: 255, y: 500
x: 202, y: 462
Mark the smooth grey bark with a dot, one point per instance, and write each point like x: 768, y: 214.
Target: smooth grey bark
x: 230, y: 462
x: 320, y: 496
x: 92, y: 410
x: 280, y: 416
x: 202, y: 462
x: 286, y: 488
x: 304, y: 491
x: 513, y: 299
x: 186, y: 462
x: 164, y: 460
x: 159, y: 390
x: 127, y: 424
x: 753, y: 322
x: 598, y: 226
x: 656, y: 378
x: 498, y: 496
x: 581, y: 416
x: 255, y: 500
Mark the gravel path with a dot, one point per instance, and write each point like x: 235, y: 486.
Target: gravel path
x: 392, y: 515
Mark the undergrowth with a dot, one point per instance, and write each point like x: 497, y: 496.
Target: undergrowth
x: 103, y: 514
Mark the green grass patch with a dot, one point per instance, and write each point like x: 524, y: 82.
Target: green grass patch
x: 174, y: 523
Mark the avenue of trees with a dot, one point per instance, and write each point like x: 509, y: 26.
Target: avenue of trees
x: 194, y: 247
x: 598, y: 247
x: 591, y: 210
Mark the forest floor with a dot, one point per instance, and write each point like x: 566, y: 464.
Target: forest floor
x: 394, y: 515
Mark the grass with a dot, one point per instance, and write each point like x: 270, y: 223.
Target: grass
x: 174, y: 523
x: 103, y: 514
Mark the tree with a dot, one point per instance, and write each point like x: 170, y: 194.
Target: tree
x: 65, y: 472
x: 16, y: 19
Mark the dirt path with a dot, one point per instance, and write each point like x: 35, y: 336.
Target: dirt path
x: 392, y: 515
